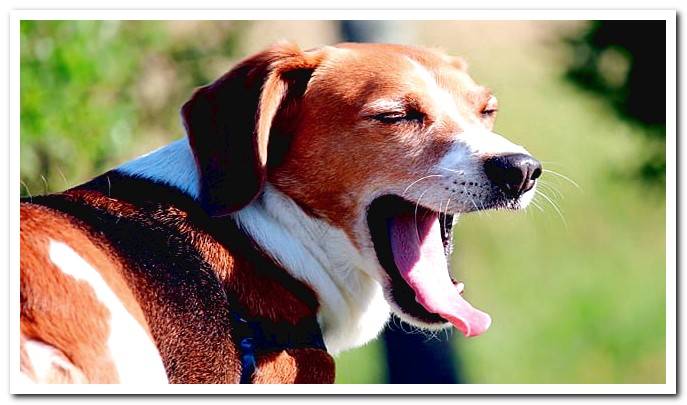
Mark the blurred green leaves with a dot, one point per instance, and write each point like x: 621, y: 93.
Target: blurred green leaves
x: 623, y: 62
x: 94, y: 93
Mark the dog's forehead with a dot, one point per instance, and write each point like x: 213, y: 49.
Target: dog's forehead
x: 366, y: 71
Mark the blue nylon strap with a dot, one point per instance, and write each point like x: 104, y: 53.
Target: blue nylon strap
x: 247, y: 346
x: 255, y: 337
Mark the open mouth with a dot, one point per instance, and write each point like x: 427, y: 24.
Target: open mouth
x: 412, y: 245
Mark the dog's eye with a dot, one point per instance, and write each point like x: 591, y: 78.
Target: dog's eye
x: 489, y: 112
x: 490, y: 108
x: 393, y: 117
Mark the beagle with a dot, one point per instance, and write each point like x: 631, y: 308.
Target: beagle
x: 313, y: 196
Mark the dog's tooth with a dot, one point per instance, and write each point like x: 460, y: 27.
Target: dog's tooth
x: 460, y: 287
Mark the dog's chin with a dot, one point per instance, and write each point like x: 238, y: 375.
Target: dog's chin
x: 502, y: 201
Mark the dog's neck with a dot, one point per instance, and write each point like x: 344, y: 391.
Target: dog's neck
x: 352, y: 305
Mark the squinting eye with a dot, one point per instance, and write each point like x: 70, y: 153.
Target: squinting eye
x: 489, y: 112
x: 490, y: 108
x: 392, y: 117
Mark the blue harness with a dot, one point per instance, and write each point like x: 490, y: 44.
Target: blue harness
x: 256, y: 337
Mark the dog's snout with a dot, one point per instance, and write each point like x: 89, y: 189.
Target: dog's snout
x: 514, y: 174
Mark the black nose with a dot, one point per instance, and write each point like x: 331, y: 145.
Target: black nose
x: 513, y: 174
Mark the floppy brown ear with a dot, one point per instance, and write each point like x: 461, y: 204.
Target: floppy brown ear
x: 229, y: 121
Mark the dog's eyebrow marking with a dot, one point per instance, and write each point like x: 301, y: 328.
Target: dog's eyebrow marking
x: 490, y: 100
x: 441, y: 99
x: 383, y: 105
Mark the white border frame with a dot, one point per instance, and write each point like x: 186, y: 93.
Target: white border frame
x: 670, y: 387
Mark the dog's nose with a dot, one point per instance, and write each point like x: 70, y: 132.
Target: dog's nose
x: 514, y: 174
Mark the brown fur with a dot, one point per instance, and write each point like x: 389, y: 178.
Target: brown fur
x: 186, y: 313
x: 59, y: 310
x: 296, y: 366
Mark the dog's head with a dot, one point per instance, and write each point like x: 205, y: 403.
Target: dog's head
x: 387, y: 143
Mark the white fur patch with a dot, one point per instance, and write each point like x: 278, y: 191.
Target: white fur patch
x: 480, y: 141
x: 45, y: 360
x: 442, y: 100
x: 135, y: 355
x: 352, y: 310
x: 172, y: 164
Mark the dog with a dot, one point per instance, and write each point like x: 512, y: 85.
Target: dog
x: 313, y: 196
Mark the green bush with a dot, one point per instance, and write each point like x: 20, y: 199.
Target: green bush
x: 94, y: 93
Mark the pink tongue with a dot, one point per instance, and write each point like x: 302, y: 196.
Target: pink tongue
x: 419, y: 255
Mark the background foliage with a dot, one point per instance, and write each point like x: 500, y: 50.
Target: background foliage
x: 575, y: 285
x: 624, y: 63
x: 94, y: 92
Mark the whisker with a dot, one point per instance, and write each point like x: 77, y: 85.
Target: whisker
x: 403, y: 329
x: 429, y: 336
x: 481, y: 204
x: 27, y: 190
x: 551, y: 162
x: 45, y: 185
x: 420, y: 179
x: 476, y: 208
x: 555, y: 207
x: 452, y: 170
x: 66, y: 183
x: 551, y: 188
x: 395, y: 321
x: 555, y: 173
x: 417, y: 204
x: 536, y: 205
x: 465, y: 192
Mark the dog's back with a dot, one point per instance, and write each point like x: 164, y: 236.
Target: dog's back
x: 80, y: 321
x: 121, y: 276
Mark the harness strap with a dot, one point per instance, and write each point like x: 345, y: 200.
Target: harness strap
x: 255, y: 337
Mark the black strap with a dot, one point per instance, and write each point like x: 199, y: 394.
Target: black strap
x: 255, y: 337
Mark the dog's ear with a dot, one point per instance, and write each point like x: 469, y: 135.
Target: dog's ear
x: 229, y: 121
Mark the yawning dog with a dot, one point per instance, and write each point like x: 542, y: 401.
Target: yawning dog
x: 313, y: 196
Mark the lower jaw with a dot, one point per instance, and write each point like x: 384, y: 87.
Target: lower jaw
x: 426, y: 321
